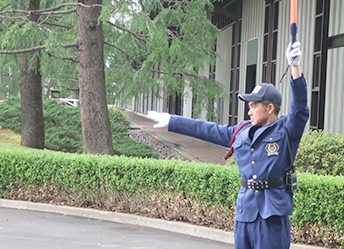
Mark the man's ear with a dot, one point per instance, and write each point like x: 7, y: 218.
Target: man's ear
x: 271, y: 108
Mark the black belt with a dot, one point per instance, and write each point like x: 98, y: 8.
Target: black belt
x: 261, y: 185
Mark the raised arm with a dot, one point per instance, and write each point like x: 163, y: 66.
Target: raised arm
x: 295, y: 72
x: 298, y: 110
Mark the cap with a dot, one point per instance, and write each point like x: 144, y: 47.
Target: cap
x: 263, y: 91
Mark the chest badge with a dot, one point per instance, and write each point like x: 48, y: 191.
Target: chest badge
x: 272, y: 149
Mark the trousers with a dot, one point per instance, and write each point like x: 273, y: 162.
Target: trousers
x: 270, y: 233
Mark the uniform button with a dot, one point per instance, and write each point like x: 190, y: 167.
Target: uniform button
x: 270, y: 138
x: 252, y: 149
x: 253, y: 162
x: 254, y: 177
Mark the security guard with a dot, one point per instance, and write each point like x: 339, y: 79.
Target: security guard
x: 264, y: 149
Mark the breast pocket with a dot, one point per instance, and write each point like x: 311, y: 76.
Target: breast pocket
x: 237, y: 145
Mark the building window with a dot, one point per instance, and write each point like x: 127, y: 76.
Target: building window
x: 194, y: 101
x: 270, y: 41
x: 319, y: 64
x: 211, y: 112
x: 235, y: 66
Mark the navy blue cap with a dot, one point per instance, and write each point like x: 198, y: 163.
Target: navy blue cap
x: 263, y: 91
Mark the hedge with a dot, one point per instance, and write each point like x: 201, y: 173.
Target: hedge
x: 117, y: 173
x: 318, y: 201
x: 321, y: 153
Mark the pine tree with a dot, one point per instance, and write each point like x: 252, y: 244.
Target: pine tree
x: 32, y: 121
x: 149, y: 45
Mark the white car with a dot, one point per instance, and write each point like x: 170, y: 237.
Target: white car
x: 71, y: 102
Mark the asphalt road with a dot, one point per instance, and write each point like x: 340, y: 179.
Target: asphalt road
x: 21, y: 229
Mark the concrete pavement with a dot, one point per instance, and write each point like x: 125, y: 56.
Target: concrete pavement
x: 36, y: 226
x: 39, y: 230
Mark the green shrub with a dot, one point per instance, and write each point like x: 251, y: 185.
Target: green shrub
x: 124, y: 145
x: 63, y: 128
x: 131, y: 148
x: 321, y: 153
x: 10, y: 111
x: 117, y: 117
x: 217, y: 185
x: 319, y: 200
x: 318, y: 210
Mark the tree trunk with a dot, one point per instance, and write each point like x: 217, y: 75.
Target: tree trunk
x: 32, y: 120
x: 95, y: 123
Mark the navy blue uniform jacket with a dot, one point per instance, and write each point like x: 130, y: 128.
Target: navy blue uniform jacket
x: 265, y: 157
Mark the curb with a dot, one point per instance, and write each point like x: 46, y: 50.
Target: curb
x: 130, y: 219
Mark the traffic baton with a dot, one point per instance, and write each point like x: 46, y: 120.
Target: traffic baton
x: 293, y: 20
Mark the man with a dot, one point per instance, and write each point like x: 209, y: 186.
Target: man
x: 264, y: 149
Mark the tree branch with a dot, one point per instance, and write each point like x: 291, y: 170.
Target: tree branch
x: 29, y: 13
x: 56, y: 12
x: 49, y: 11
x: 58, y: 25
x: 11, y: 17
x: 75, y: 80
x: 5, y: 7
x: 33, y: 49
x: 53, y: 9
x: 124, y: 52
x: 46, y: 19
x: 63, y: 58
x: 176, y: 74
x: 136, y: 35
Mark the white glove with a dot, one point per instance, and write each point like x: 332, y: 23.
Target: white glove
x: 293, y: 53
x: 163, y: 118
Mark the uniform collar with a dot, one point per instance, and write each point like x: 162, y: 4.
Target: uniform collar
x: 261, y: 130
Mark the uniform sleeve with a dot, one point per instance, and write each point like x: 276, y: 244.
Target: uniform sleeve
x: 208, y: 131
x: 298, y: 110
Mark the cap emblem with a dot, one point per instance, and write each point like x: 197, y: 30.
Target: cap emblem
x: 256, y: 89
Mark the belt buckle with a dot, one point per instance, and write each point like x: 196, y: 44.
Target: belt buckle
x: 250, y: 184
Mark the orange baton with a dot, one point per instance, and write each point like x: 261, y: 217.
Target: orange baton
x: 293, y: 20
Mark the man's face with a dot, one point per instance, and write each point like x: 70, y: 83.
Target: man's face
x: 258, y: 113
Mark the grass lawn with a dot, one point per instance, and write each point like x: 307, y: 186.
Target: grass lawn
x: 9, y: 136
x: 9, y: 146
x: 10, y: 140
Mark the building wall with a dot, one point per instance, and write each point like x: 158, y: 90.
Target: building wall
x: 336, y: 17
x: 334, y: 118
x: 187, y: 101
x: 305, y: 26
x: 252, y: 27
x: 334, y: 102
x: 223, y: 66
x: 205, y: 73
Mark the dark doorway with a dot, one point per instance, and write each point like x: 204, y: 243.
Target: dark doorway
x: 175, y: 104
x: 250, y: 84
